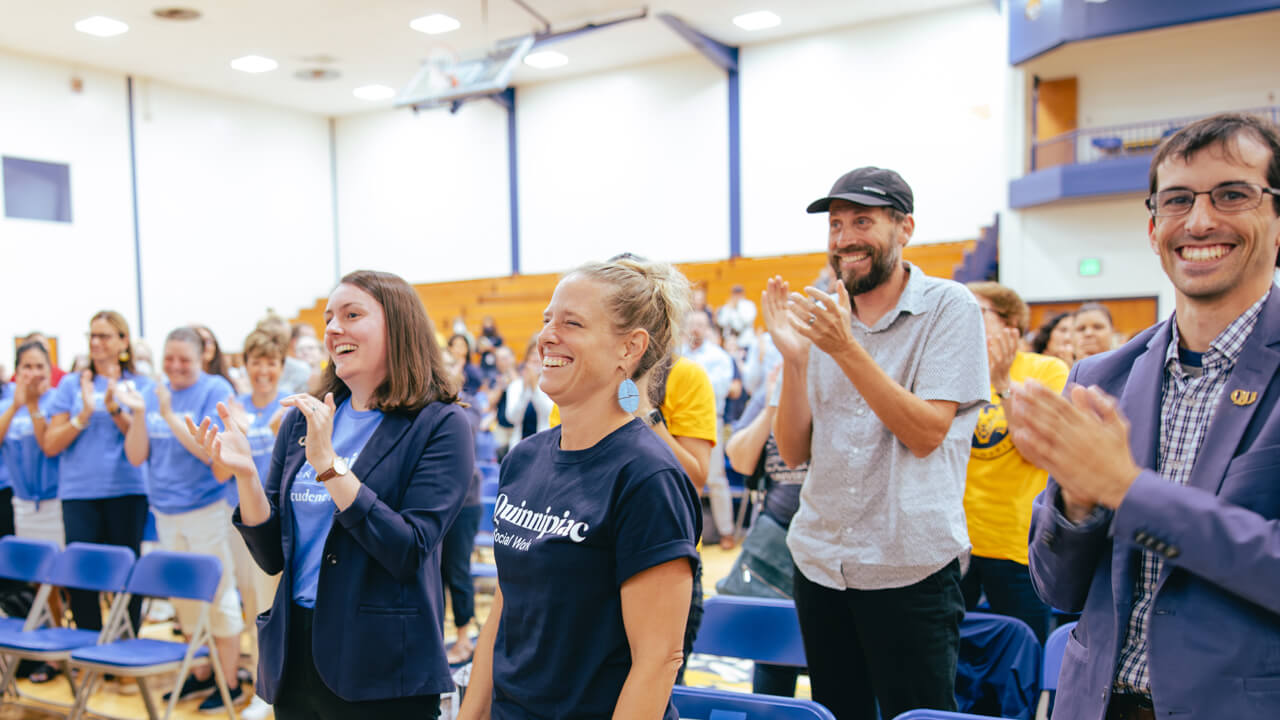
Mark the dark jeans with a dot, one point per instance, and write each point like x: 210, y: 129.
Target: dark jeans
x: 108, y: 521
x: 774, y: 679
x: 897, y: 646
x: 1009, y: 592
x: 455, y: 564
x: 304, y: 696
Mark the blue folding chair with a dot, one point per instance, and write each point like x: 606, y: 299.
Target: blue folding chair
x: 1054, y: 648
x: 939, y: 715
x: 82, y: 566
x: 28, y: 561
x: 708, y: 704
x: 484, y: 532
x: 760, y: 629
x: 160, y: 573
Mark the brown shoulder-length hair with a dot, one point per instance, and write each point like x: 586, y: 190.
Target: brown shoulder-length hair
x: 121, y: 326
x: 416, y: 375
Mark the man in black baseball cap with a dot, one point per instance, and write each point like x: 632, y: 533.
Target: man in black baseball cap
x: 870, y: 186
x: 882, y: 383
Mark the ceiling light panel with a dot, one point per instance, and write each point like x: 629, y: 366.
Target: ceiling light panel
x: 254, y: 64
x: 101, y: 26
x: 435, y: 24
x: 758, y: 20
x: 545, y: 60
x: 374, y: 92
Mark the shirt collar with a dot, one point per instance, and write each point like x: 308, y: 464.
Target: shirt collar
x: 911, y: 301
x: 1225, y: 348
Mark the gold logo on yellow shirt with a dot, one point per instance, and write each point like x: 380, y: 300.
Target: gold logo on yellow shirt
x: 991, y: 435
x: 1243, y: 397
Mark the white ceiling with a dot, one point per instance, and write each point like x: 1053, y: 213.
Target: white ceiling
x: 370, y: 41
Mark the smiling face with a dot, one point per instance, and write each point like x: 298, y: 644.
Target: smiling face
x: 33, y: 365
x: 864, y: 244
x: 1092, y: 333
x: 355, y: 336
x: 264, y: 372
x: 181, y: 364
x: 1060, y: 345
x: 582, y: 355
x: 105, y: 342
x: 1211, y: 256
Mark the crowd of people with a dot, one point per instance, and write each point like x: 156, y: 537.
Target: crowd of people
x: 918, y: 447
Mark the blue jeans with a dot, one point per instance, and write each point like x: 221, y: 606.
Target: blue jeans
x: 455, y: 564
x: 1009, y: 592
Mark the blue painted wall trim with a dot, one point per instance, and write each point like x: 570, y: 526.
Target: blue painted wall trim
x: 1037, y: 26
x: 133, y: 193
x: 1107, y: 177
x: 724, y: 57
x: 513, y: 179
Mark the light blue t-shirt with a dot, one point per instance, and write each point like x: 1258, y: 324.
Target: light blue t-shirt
x: 94, y: 466
x: 313, y: 508
x: 178, y: 481
x: 33, y: 475
x: 261, y: 440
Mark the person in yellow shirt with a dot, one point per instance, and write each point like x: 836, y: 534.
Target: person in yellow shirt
x: 1001, y: 484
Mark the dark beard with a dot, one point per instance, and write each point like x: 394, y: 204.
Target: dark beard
x: 883, y: 263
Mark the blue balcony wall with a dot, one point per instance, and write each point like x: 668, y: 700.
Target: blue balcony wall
x: 1105, y: 177
x: 1037, y: 26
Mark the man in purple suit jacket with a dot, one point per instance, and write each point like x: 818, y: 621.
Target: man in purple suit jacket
x: 1161, y: 521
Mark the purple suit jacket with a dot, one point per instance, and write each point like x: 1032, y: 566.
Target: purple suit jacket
x: 1214, y: 635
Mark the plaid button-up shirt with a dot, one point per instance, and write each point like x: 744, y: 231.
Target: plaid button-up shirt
x: 1187, y: 403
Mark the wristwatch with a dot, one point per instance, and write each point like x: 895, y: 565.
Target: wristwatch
x: 654, y: 418
x: 76, y: 423
x: 339, y: 468
x: 1005, y: 394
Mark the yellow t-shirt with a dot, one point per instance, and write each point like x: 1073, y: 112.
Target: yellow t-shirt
x: 1001, y: 484
x: 689, y: 405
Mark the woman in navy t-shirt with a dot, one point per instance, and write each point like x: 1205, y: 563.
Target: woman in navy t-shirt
x: 595, y: 523
x: 361, y: 489
x: 103, y: 496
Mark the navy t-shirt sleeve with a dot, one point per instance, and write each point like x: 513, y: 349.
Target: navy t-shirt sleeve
x: 656, y: 520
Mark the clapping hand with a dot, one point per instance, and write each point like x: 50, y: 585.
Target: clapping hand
x: 230, y: 447
x: 319, y: 417
x: 127, y: 395
x: 777, y: 319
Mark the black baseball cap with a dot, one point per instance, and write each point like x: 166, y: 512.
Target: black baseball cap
x: 871, y: 186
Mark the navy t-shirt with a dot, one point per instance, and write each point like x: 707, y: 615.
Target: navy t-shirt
x: 569, y: 528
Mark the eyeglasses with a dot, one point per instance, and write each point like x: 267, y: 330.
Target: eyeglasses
x: 102, y: 336
x: 1229, y: 198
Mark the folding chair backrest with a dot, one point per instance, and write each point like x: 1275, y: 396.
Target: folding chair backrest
x: 939, y: 715
x: 1054, y: 648
x: 704, y: 703
x: 487, y: 505
x: 161, y: 573
x: 25, y: 559
x: 87, y: 566
x: 760, y: 629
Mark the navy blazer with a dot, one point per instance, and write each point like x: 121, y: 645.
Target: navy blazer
x: 1214, y: 633
x: 378, y: 612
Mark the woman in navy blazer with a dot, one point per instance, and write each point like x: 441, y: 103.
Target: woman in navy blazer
x: 363, y: 486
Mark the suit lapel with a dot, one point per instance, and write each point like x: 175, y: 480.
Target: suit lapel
x: 1241, y: 397
x: 1140, y: 399
x: 1140, y: 402
x: 385, y: 439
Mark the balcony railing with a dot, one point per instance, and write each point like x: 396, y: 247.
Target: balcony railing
x: 1091, y: 145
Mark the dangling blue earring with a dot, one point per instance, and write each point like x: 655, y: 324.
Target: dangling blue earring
x: 629, y: 395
